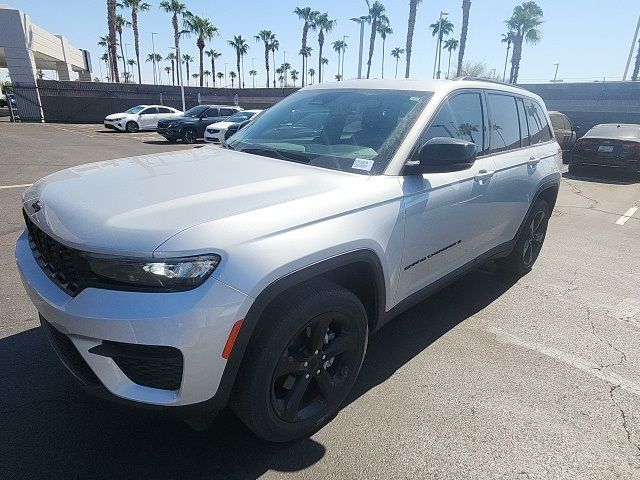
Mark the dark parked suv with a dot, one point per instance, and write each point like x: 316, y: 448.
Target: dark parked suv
x: 190, y: 127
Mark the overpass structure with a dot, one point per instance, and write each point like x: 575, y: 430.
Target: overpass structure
x: 26, y: 48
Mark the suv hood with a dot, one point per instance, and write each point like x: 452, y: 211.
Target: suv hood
x: 220, y: 125
x: 132, y: 205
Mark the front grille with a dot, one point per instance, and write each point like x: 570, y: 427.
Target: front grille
x: 69, y: 355
x: 64, y: 265
x: 152, y: 366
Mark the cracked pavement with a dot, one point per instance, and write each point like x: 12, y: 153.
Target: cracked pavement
x: 489, y: 379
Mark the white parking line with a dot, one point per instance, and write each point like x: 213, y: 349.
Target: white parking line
x: 4, y: 187
x: 627, y: 215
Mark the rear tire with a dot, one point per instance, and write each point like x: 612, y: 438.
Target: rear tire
x: 132, y: 127
x: 530, y: 241
x: 302, y: 363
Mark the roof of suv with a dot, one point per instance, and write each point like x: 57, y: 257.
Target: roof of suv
x: 436, y: 86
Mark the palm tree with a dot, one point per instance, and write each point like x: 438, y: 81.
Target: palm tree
x: 442, y: 28
x: 312, y: 73
x: 127, y: 77
x: 323, y: 23
x: 111, y: 21
x: 636, y: 67
x: 305, y: 53
x: 339, y: 46
x: 266, y: 37
x: 187, y: 59
x: 413, y: 11
x: 207, y: 74
x: 273, y: 46
x: 213, y: 55
x: 195, y: 76
x: 375, y: 18
x: 396, y: 53
x: 105, y: 59
x: 284, y: 69
x: 508, y: 39
x: 466, y: 8
x: 120, y: 23
x: 524, y: 22
x: 220, y: 76
x: 131, y: 62
x: 232, y: 76
x: 168, y: 69
x: 154, y: 58
x: 175, y: 8
x: 281, y: 78
x: 239, y: 44
x: 294, y: 76
x: 450, y: 45
x: 172, y: 58
x: 136, y: 6
x: 253, y: 74
x: 384, y: 30
x: 308, y: 16
x: 205, y: 30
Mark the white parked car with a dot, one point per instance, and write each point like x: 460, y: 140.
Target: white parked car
x: 215, y: 132
x: 252, y: 275
x: 140, y: 117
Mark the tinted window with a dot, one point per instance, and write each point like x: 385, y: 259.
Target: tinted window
x: 226, y: 112
x: 537, y: 120
x: 505, y: 126
x: 211, y: 113
x: 460, y: 117
x: 164, y: 110
x: 149, y: 111
x: 612, y: 130
x: 524, y: 128
x: 195, y: 111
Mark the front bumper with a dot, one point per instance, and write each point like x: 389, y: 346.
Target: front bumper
x: 169, y: 133
x: 217, y: 137
x: 114, y: 125
x: 196, y: 322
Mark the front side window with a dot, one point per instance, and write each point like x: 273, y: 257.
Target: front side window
x: 149, y: 111
x: 537, y: 120
x: 459, y: 117
x: 134, y: 110
x: 355, y: 131
x: 226, y: 112
x: 196, y: 112
x: 164, y: 110
x: 505, y: 126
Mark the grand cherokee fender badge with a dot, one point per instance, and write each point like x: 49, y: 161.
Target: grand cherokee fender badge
x: 432, y: 254
x: 36, y: 206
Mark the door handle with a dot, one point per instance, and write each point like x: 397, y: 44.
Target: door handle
x: 533, y: 161
x: 483, y: 175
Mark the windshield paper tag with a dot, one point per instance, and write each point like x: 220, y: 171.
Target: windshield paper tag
x: 362, y: 164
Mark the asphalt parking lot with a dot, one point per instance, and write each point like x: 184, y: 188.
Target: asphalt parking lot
x: 488, y: 379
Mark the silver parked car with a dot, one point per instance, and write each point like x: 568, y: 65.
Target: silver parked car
x: 253, y: 275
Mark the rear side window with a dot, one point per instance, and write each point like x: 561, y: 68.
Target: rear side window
x: 524, y: 128
x: 505, y: 126
x: 460, y: 117
x: 226, y: 112
x: 537, y: 120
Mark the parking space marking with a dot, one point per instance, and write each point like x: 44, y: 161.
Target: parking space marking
x: 24, y: 185
x: 627, y: 215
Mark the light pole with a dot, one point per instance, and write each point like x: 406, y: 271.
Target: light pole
x: 361, y: 21
x: 155, y: 66
x: 344, y: 47
x: 555, y: 76
x: 436, y: 60
x: 633, y: 46
x: 126, y: 58
x: 253, y: 68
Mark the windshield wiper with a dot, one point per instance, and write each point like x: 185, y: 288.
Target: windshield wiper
x: 275, y: 153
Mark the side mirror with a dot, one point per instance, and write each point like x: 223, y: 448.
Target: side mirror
x: 443, y: 154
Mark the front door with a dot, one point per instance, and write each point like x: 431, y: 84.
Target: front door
x: 149, y: 118
x: 448, y: 217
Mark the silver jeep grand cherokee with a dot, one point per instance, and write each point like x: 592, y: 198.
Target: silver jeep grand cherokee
x: 252, y: 275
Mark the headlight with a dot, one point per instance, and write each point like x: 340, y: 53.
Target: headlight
x: 116, y: 119
x: 161, y: 275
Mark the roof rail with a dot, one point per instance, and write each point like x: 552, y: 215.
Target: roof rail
x: 488, y: 80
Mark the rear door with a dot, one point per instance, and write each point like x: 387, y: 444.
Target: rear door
x: 448, y: 215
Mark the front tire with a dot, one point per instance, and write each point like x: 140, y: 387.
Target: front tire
x: 131, y: 127
x: 303, y: 362
x: 189, y: 136
x: 530, y: 241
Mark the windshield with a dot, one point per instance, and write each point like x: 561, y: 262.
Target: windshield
x: 354, y: 131
x: 240, y: 117
x: 135, y: 109
x: 196, y: 111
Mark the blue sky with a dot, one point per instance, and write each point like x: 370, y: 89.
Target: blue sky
x: 588, y: 38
